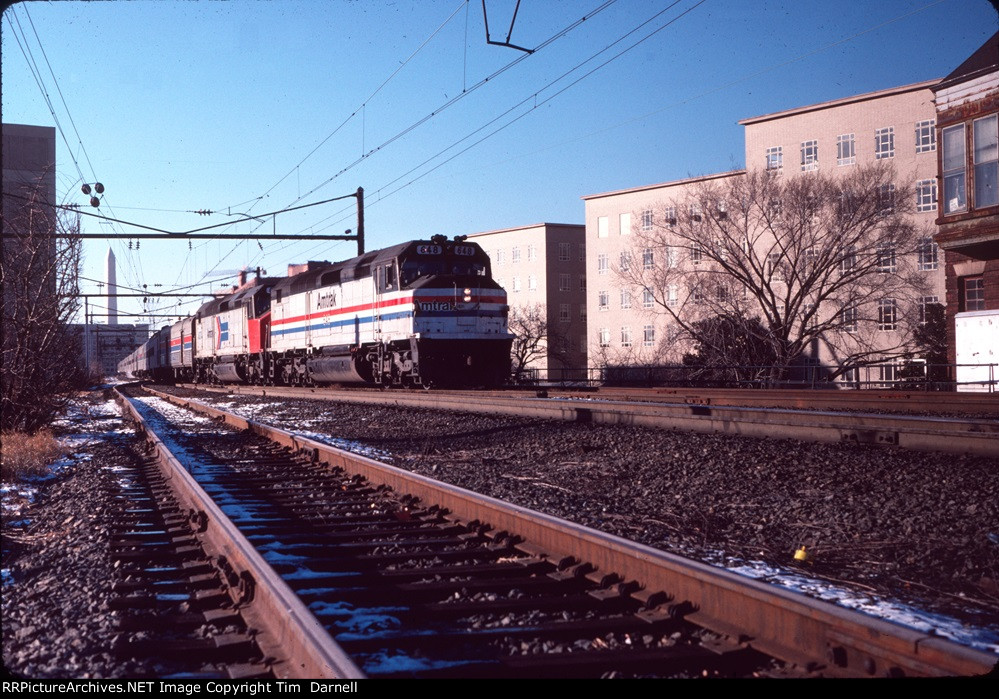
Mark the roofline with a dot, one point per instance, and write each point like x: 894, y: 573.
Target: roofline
x: 524, y: 228
x: 647, y: 187
x: 914, y: 87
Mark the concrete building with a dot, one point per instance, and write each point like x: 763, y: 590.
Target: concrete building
x: 895, y: 126
x: 103, y: 346
x: 967, y: 103
x: 543, y: 269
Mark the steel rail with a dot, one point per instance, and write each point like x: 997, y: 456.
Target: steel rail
x: 287, y: 629
x: 813, y: 634
x: 934, y: 434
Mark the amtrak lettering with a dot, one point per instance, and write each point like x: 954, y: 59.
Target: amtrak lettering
x: 326, y: 300
x: 437, y: 306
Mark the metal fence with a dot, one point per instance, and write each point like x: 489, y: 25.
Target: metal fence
x: 901, y: 375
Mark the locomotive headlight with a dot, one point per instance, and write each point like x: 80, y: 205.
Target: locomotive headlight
x: 468, y: 295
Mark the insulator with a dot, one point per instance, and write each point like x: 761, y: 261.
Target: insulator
x: 85, y: 189
x: 95, y: 202
x: 99, y: 188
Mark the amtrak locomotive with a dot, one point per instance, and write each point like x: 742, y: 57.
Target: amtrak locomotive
x: 421, y: 313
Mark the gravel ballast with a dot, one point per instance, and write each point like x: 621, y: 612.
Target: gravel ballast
x: 920, y: 528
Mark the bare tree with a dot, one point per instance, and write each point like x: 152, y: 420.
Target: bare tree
x: 39, y: 276
x: 535, y: 338
x: 819, y: 261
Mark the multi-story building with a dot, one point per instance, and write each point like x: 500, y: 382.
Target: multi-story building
x: 892, y: 128
x: 625, y: 326
x: 967, y: 103
x: 543, y: 269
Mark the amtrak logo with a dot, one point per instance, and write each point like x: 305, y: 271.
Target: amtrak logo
x: 221, y: 332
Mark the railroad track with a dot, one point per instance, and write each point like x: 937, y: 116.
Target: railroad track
x: 418, y: 578
x: 938, y: 434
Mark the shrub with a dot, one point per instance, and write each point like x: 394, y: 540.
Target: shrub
x: 26, y: 455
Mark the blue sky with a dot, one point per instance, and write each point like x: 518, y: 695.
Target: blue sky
x: 249, y: 106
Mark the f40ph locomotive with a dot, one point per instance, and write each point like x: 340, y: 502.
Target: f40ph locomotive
x: 422, y: 313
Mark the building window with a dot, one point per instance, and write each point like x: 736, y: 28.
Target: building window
x: 582, y: 311
x: 926, y: 254
x: 887, y: 315
x: 603, y: 228
x: 809, y: 155
x: 884, y: 143
x: 563, y: 252
x: 582, y: 252
x: 625, y: 263
x: 986, y: 162
x: 888, y: 373
x: 845, y: 151
x: 926, y: 195
x: 672, y: 295
x: 775, y: 158
x: 625, y: 336
x: 972, y: 294
x: 604, y: 300
x: 848, y: 262
x: 926, y: 136
x: 886, y: 199
x: 773, y: 266
x: 647, y: 259
x: 848, y: 319
x: 625, y: 298
x: 721, y: 292
x: 515, y: 255
x: 564, y: 282
x: 516, y: 283
x: 696, y: 254
x: 886, y: 258
x: 605, y: 337
x: 500, y: 257
x: 582, y: 282
x: 924, y: 302
x: 648, y: 300
x: 649, y: 336
x: 603, y: 263
x: 954, y: 169
x: 696, y: 294
x: 647, y: 220
x: 532, y: 283
x: 564, y: 313
x: 624, y: 224
x: 670, y: 214
x: 532, y: 253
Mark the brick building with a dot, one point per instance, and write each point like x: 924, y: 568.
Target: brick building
x: 967, y: 103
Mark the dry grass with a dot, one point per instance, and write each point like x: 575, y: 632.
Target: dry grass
x: 25, y: 455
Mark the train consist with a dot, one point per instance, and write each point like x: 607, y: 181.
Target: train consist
x: 420, y: 313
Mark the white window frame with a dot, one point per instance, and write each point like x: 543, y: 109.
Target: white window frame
x: 954, y: 168
x: 649, y: 335
x: 564, y: 313
x: 603, y: 300
x: 925, y: 301
x: 603, y: 227
x: 926, y: 136
x: 626, y: 336
x: 809, y: 155
x: 625, y: 298
x: 624, y: 264
x: 604, y: 337
x: 647, y: 220
x: 648, y: 260
x: 603, y: 263
x: 846, y: 150
x: 624, y: 224
x: 648, y: 298
x: 887, y: 315
x: 927, y: 255
x: 564, y: 281
x: 775, y: 158
x: 564, y: 252
x: 926, y: 195
x: 884, y: 143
